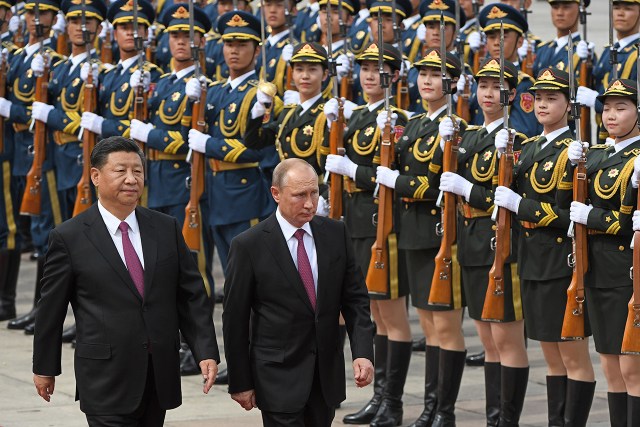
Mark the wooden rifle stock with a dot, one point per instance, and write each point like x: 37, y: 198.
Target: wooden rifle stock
x: 462, y: 107
x: 378, y: 273
x: 32, y: 199
x: 477, y: 59
x: 493, y: 309
x: 573, y: 323
x: 527, y: 64
x: 62, y: 44
x: 192, y: 227
x: 586, y: 79
x: 106, y: 54
x: 631, y: 338
x: 336, y: 146
x: 402, y: 93
x: 84, y: 198
x: 289, y: 84
x: 346, y: 87
x: 140, y: 109
x: 150, y: 51
x: 441, y: 293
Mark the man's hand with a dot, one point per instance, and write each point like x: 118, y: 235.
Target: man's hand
x: 209, y: 369
x: 44, y: 386
x: 247, y: 399
x: 362, y: 372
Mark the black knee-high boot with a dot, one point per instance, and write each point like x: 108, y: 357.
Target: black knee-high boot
x: 390, y: 412
x: 617, y: 409
x: 579, y: 399
x: 449, y: 378
x: 30, y: 318
x: 513, y: 390
x: 492, y: 392
x: 633, y: 411
x: 556, y: 399
x: 432, y: 358
x: 9, y: 267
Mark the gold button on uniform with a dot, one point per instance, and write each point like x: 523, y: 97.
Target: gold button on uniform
x: 526, y: 233
x: 176, y: 166
x: 243, y: 180
x: 559, y: 240
x: 621, y: 248
x: 433, y: 211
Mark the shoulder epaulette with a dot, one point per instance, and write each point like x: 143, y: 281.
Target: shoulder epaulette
x: 399, y: 111
x: 18, y: 51
x: 565, y: 141
x: 148, y: 66
x: 165, y: 75
x: 292, y: 105
x: 473, y: 127
x: 543, y: 43
x: 252, y: 82
x: 218, y: 82
x: 359, y: 107
x: 599, y: 147
x: 524, y: 76
x: 417, y: 116
x: 521, y: 135
x: 532, y: 139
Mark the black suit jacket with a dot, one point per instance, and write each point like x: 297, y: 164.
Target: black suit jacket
x: 273, y: 338
x: 116, y: 329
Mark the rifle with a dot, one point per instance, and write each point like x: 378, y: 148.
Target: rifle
x: 4, y: 68
x: 481, y: 53
x: 84, y: 198
x: 631, y: 337
x: 264, y: 85
x: 18, y: 37
x: 152, y: 46
x: 346, y: 84
x: 586, y: 76
x: 527, y: 63
x: 62, y: 44
x: 462, y: 106
x: 402, y: 89
x: 32, y: 199
x: 106, y: 52
x: 493, y: 309
x: 441, y: 293
x: 378, y: 273
x: 289, y: 84
x: 140, y: 101
x: 336, y: 134
x: 613, y: 52
x: 192, y: 227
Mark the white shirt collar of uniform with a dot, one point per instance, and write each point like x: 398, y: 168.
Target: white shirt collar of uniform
x: 373, y: 107
x: 289, y: 230
x: 314, y: 7
x: 180, y: 74
x: 627, y: 40
x: 469, y: 23
x: 112, y: 222
x: 437, y: 112
x: 494, y: 125
x: 362, y: 15
x: 410, y: 20
x: 30, y: 49
x: 5, y: 35
x: 76, y: 59
x: 552, y: 136
x: 128, y: 63
x: 238, y: 80
x: 275, y: 38
x: 335, y: 46
x: 564, y: 40
x: 619, y: 146
x: 309, y: 102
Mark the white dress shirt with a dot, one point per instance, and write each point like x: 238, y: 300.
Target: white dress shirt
x: 619, y: 146
x: 113, y: 223
x: 552, y: 136
x: 493, y: 125
x: 288, y: 231
x: 309, y: 103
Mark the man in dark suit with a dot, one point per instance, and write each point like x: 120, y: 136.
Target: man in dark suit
x: 133, y: 286
x: 282, y: 304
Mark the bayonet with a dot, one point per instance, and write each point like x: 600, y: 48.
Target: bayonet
x: 613, y: 52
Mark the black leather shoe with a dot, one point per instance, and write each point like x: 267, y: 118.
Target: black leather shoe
x: 22, y: 321
x: 419, y: 345
x: 188, y: 364
x: 30, y: 328
x: 69, y: 334
x: 475, y: 359
x: 223, y: 377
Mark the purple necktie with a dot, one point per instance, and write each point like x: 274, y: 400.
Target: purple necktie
x: 131, y: 259
x: 304, y: 268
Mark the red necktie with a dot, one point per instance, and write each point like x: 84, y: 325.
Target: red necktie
x: 131, y: 259
x: 304, y: 268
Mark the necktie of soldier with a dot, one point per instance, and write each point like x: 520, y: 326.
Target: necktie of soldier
x: 304, y: 269
x: 131, y: 259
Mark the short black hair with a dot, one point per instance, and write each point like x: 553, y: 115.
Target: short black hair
x: 113, y: 144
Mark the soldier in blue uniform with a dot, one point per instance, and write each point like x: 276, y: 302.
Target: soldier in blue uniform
x: 306, y: 23
x: 236, y: 187
x: 411, y: 43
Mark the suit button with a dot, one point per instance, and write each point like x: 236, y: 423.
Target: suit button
x: 621, y: 248
x: 526, y: 175
x: 433, y: 212
x: 526, y: 233
x: 524, y: 195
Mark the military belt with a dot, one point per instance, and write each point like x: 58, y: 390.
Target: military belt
x: 350, y: 186
x: 20, y: 127
x: 469, y: 212
x: 62, y: 138
x: 412, y: 200
x: 529, y: 225
x: 220, y: 166
x: 592, y: 232
x: 155, y: 155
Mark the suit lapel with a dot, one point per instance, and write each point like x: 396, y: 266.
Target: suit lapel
x: 149, y: 246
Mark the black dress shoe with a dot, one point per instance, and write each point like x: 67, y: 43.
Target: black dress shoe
x: 22, y: 321
x: 69, y: 334
x: 475, y: 359
x: 30, y: 328
x: 223, y: 377
x: 419, y: 345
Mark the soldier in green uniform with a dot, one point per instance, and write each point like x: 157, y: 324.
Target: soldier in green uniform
x: 358, y: 165
x: 543, y: 248
x: 506, y: 368
x: 608, y: 287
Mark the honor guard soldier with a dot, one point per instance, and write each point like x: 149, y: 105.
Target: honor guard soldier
x: 236, y: 187
x: 210, y: 7
x: 358, y: 31
x: 543, y: 249
x: 6, y: 36
x: 306, y: 24
x: 16, y: 108
x: 117, y: 85
x: 411, y: 43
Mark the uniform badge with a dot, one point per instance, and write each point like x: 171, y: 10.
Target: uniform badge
x: 29, y: 73
x: 308, y: 130
x: 124, y: 86
x: 560, y: 66
x: 431, y: 139
x: 526, y: 102
x: 232, y: 107
x: 407, y: 42
x: 175, y: 96
x: 360, y: 35
x: 613, y: 173
x: 461, y: 150
x: 272, y: 62
x: 516, y: 157
x: 547, y: 166
x: 398, y: 131
x: 75, y: 82
x: 487, y: 155
x: 369, y: 131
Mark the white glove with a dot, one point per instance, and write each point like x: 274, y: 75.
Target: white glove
x: 579, y: 212
x: 323, y: 207
x: 258, y: 110
x: 40, y: 111
x: 635, y: 178
x: 151, y: 33
x: 475, y: 41
x: 84, y: 71
x: 61, y: 25
x: 445, y: 129
x: 453, y: 183
x: 507, y: 198
x: 341, y: 165
x: 574, y: 152
x: 583, y: 49
x: 382, y: 119
x: 342, y: 67
x: 5, y: 108
x: 522, y: 50
x: 405, y: 66
x: 287, y: 53
x: 421, y: 33
x: 291, y: 97
x: 14, y: 23
x: 92, y: 122
x: 198, y: 141
x: 3, y: 55
x: 135, y: 80
x: 636, y: 221
x: 331, y: 110
x: 387, y: 177
x: 461, y: 83
x: 106, y: 26
x: 263, y: 98
x: 37, y: 64
x: 502, y: 139
x: 586, y: 96
x: 193, y: 89
x: 140, y: 131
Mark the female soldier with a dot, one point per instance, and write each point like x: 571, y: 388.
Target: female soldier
x: 608, y: 287
x: 543, y: 248
x: 361, y: 140
x: 416, y: 182
x: 506, y: 354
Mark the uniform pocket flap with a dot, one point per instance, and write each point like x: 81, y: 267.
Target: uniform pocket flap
x: 93, y: 351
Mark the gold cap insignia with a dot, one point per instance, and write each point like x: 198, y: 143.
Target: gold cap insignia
x: 237, y: 21
x: 438, y: 5
x: 492, y: 65
x: 433, y: 55
x: 617, y: 85
x: 547, y: 75
x: 128, y: 6
x: 80, y: 2
x: 181, y: 13
x: 496, y: 13
x: 306, y: 50
x: 373, y: 48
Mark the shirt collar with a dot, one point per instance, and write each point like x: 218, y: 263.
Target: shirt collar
x: 363, y: 13
x: 373, y: 107
x: 628, y: 40
x: 309, y: 102
x: 619, y: 146
x: 238, y: 80
x: 275, y: 38
x: 182, y: 73
x: 314, y: 7
x: 75, y: 60
x: 564, y: 40
x: 552, y: 136
x: 410, y: 20
x: 31, y: 49
x: 289, y: 230
x: 112, y: 222
x: 437, y: 112
x: 335, y: 46
x: 494, y: 125
x: 128, y: 62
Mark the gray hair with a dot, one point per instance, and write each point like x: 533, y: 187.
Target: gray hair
x: 279, y: 178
